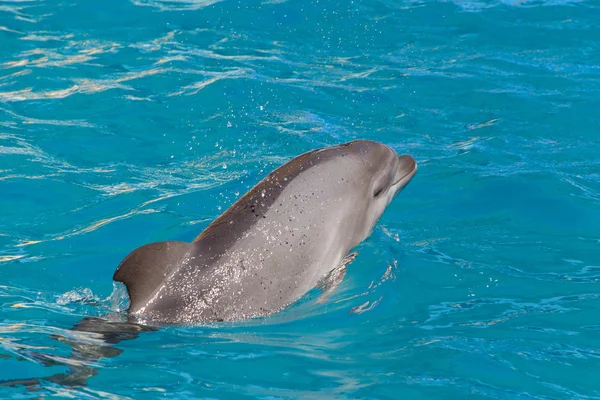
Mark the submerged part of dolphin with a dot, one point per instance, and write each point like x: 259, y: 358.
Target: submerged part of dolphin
x: 91, y: 339
x: 274, y: 244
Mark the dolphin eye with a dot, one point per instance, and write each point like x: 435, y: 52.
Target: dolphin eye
x: 378, y: 191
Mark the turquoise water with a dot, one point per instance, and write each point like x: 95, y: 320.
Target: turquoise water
x: 126, y: 122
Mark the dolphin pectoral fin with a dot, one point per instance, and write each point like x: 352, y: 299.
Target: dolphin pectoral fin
x: 334, y: 278
x: 145, y: 269
x: 331, y: 282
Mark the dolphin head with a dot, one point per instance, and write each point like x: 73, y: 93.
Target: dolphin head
x: 386, y: 172
x: 381, y: 175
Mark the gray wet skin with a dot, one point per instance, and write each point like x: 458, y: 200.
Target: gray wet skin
x: 274, y: 244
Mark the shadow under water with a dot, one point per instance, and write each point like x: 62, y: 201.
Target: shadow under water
x: 94, y: 339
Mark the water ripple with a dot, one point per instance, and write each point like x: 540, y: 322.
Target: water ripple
x: 175, y: 5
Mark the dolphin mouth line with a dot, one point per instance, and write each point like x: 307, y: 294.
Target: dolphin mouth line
x: 407, y: 177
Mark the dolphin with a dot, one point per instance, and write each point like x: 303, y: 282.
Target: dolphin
x: 291, y: 231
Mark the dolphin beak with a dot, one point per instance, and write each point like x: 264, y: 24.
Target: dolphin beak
x: 407, y: 168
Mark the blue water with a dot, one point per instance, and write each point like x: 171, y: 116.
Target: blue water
x: 126, y: 122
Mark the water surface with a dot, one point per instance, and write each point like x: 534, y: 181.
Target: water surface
x: 126, y: 122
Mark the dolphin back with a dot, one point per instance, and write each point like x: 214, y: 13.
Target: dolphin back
x: 145, y: 270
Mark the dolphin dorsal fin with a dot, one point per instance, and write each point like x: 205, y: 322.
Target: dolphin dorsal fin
x: 145, y: 269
